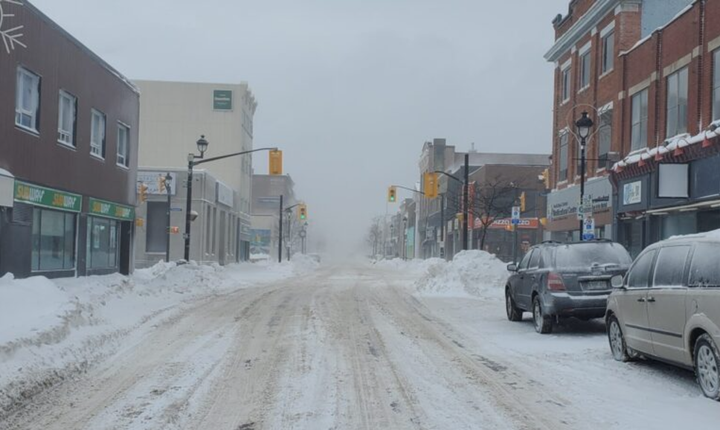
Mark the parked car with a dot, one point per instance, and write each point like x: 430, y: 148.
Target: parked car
x: 558, y: 280
x: 668, y: 308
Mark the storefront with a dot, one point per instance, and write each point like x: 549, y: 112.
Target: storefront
x: 105, y: 223
x: 562, y: 210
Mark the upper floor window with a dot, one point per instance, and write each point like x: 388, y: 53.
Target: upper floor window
x: 608, y: 52
x: 585, y: 69
x: 604, y: 137
x: 27, y: 99
x: 97, y: 134
x: 677, y: 100
x: 123, y: 145
x: 563, y: 173
x: 565, y: 84
x: 639, y: 123
x: 716, y: 85
x: 67, y: 107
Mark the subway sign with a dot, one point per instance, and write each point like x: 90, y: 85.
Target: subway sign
x: 47, y: 197
x: 111, y: 210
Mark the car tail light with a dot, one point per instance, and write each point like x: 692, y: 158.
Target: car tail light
x: 555, y: 282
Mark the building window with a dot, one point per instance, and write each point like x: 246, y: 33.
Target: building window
x: 157, y: 227
x: 677, y: 100
x: 716, y: 84
x: 97, y: 134
x: 565, y: 84
x: 563, y: 174
x: 67, y: 119
x: 208, y: 230
x: 102, y: 243
x: 27, y: 99
x: 585, y: 70
x: 639, y: 120
x: 122, y: 145
x: 604, y: 137
x: 608, y: 52
x: 53, y: 240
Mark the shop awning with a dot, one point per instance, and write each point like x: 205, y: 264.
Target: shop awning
x: 686, y: 208
x: 7, y: 188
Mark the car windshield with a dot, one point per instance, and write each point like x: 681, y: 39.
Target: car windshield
x: 584, y: 255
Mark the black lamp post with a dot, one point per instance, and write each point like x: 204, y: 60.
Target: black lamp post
x: 584, y: 124
x: 167, y: 180
x: 202, y: 146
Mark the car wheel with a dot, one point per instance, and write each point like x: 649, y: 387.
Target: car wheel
x: 513, y: 312
x: 707, y: 371
x: 617, y: 340
x: 543, y: 323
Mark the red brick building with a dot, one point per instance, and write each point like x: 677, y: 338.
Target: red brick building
x: 592, y: 74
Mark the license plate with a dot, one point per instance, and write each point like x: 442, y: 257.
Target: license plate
x: 596, y: 285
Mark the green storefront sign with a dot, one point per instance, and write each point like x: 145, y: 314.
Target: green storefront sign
x: 222, y: 100
x: 110, y: 210
x: 47, y: 197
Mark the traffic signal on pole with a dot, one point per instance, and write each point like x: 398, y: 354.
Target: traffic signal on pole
x: 143, y: 191
x: 522, y: 202
x: 546, y: 178
x: 276, y: 163
x: 431, y: 185
x: 162, y: 186
x: 392, y: 194
x: 302, y: 212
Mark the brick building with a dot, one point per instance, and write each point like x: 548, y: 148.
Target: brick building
x: 590, y: 76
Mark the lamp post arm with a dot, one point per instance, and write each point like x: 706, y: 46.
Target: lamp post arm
x: 408, y: 189
x: 206, y: 160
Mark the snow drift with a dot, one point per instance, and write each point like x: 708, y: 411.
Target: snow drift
x: 470, y: 273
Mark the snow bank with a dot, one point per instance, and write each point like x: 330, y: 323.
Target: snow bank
x: 470, y: 273
x: 416, y: 265
x: 53, y: 329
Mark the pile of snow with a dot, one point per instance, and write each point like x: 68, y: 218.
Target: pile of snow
x: 299, y: 264
x: 470, y: 273
x: 51, y: 330
x: 415, y: 265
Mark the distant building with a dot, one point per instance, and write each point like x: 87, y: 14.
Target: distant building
x: 173, y: 116
x: 69, y: 145
x: 265, y: 208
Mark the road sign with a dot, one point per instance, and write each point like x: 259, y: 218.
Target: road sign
x: 176, y: 209
x: 516, y: 215
x: 589, y: 229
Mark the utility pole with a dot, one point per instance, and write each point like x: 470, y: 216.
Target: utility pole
x: 280, y: 229
x: 188, y: 206
x: 515, y: 229
x: 442, y: 225
x: 168, y: 178
x: 466, y: 201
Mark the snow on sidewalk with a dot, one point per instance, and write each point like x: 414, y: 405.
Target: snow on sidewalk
x: 51, y: 330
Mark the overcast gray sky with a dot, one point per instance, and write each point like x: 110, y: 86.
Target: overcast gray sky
x: 349, y: 89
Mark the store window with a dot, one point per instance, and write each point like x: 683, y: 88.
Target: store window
x: 53, y: 240
x: 678, y: 224
x: 102, y: 243
x: 156, y: 229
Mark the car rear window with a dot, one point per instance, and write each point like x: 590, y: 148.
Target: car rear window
x: 584, y: 255
x: 704, y: 270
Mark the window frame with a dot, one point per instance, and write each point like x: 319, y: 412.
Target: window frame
x: 72, y: 143
x: 585, y: 61
x: 675, y: 111
x: 641, y: 122
x: 607, y: 62
x: 93, y: 143
x: 564, y: 145
x: 650, y: 270
x: 604, y: 133
x: 35, y: 96
x: 716, y: 85
x: 565, y: 83
x: 126, y: 156
x: 683, y: 280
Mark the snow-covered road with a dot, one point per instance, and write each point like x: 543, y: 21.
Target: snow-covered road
x: 352, y: 347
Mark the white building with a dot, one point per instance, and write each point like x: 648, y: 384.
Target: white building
x: 173, y: 116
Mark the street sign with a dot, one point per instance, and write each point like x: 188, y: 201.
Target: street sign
x: 516, y: 215
x: 589, y: 229
x: 176, y: 209
x: 174, y: 230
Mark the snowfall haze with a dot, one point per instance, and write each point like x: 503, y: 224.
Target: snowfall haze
x: 349, y: 90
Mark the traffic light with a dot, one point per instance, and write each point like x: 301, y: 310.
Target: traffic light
x: 522, y: 202
x: 276, y: 163
x: 546, y: 178
x: 143, y: 191
x: 392, y: 194
x: 302, y: 212
x: 430, y: 185
x: 161, y: 183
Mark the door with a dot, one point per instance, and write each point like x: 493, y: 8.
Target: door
x: 632, y: 304
x: 523, y: 286
x: 666, y: 303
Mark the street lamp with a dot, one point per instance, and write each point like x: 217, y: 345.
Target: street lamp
x: 202, y: 146
x: 584, y: 124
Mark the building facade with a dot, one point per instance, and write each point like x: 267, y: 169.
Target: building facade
x: 590, y: 75
x: 69, y: 144
x: 265, y: 208
x: 173, y: 116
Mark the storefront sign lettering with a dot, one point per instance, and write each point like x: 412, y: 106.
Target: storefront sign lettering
x: 111, y: 210
x: 47, y: 197
x: 632, y: 193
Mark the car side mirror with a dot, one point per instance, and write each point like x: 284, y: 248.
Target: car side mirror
x: 512, y: 267
x: 617, y: 282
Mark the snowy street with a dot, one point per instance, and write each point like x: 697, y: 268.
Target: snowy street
x: 361, y: 346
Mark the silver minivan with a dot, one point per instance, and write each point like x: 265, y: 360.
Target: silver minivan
x: 668, y: 308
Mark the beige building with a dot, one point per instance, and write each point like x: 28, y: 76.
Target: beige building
x: 173, y: 116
